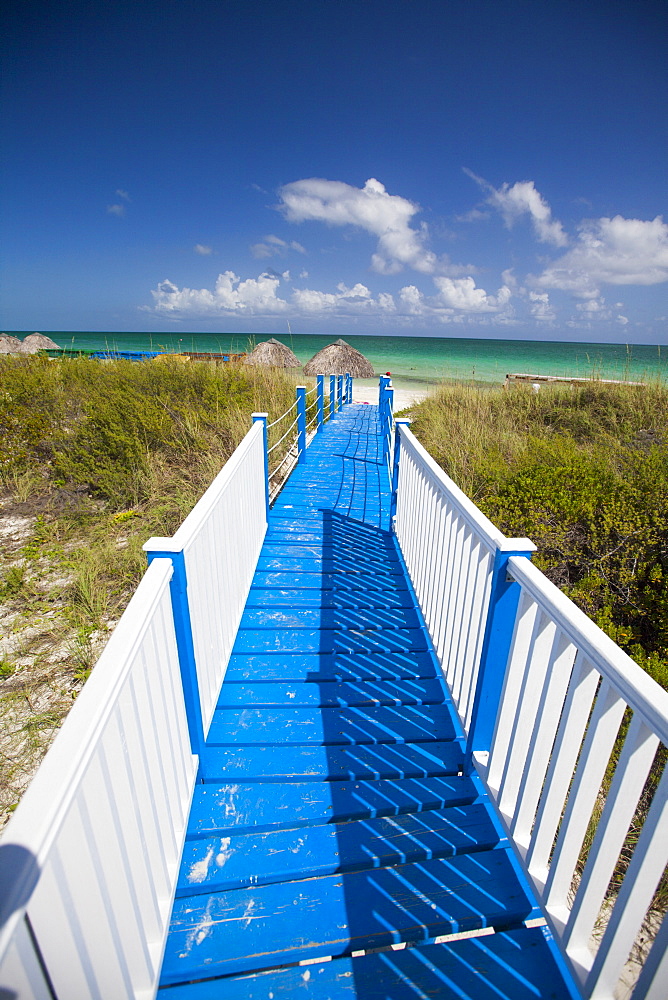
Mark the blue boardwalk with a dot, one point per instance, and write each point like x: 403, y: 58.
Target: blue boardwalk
x: 335, y: 813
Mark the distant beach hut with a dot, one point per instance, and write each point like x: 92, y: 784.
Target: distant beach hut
x: 9, y: 344
x: 337, y: 359
x: 272, y: 354
x: 35, y: 342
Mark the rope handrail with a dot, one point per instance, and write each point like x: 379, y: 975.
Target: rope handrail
x: 311, y: 422
x: 283, y: 415
x: 311, y: 391
x: 294, y: 422
x: 288, y: 454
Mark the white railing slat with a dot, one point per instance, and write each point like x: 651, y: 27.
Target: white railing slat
x: 580, y: 697
x: 642, y: 877
x: 599, y: 740
x: 558, y: 675
x: 621, y: 801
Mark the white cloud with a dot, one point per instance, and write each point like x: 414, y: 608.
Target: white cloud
x: 370, y: 208
x: 463, y: 295
x: 202, y: 249
x: 123, y: 194
x: 345, y: 301
x: 520, y: 199
x: 540, y: 307
x: 252, y: 297
x: 614, y: 251
x: 259, y: 297
x: 118, y: 210
x: 274, y: 246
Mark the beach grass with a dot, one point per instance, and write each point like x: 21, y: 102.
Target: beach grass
x: 95, y: 457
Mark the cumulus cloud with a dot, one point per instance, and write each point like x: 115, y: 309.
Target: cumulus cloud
x: 274, y: 246
x: 371, y: 208
x: 463, y: 294
x: 455, y: 300
x: 259, y: 297
x: 252, y: 297
x: 202, y: 249
x: 522, y: 198
x: 540, y: 307
x: 615, y: 251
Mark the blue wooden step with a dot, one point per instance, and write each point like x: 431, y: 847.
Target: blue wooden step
x: 339, y: 562
x: 328, y: 581
x: 273, y: 597
x: 269, y: 925
x: 235, y: 860
x: 290, y: 763
x: 510, y: 965
x: 220, y: 808
x: 295, y: 727
x: 331, y: 544
x: 329, y: 693
x: 371, y: 665
x: 322, y: 641
x: 334, y: 620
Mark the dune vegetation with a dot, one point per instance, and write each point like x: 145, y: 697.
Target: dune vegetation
x: 583, y: 472
x: 95, y: 457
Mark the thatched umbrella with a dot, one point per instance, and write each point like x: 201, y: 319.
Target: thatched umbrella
x: 337, y: 359
x: 37, y: 342
x: 272, y: 354
x: 9, y: 344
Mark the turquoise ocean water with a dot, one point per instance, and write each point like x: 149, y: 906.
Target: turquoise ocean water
x: 418, y: 361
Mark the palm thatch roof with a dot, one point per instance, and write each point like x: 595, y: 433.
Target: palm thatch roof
x: 9, y: 344
x: 37, y: 342
x: 272, y: 354
x: 337, y: 359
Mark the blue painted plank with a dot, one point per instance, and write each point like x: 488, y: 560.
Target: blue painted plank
x: 265, y: 806
x: 302, y: 640
x: 261, y: 597
x: 511, y: 965
x: 393, y: 760
x: 324, y: 618
x: 330, y: 666
x: 338, y: 563
x: 328, y: 547
x: 330, y: 693
x: 328, y: 581
x: 245, y: 929
x: 237, y: 860
x: 295, y: 727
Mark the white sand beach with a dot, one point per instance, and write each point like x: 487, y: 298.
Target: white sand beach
x: 366, y: 391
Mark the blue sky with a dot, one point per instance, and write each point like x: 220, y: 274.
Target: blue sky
x: 449, y: 168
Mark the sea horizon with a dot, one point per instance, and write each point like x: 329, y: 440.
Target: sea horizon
x: 412, y: 361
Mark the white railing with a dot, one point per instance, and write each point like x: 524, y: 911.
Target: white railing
x: 449, y: 547
x: 563, y: 775
x: 89, y: 861
x: 216, y: 551
x: 542, y: 693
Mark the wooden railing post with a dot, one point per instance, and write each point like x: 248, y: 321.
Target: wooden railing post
x: 257, y: 417
x: 339, y: 391
x: 320, y: 399
x: 301, y: 424
x: 332, y: 395
x: 502, y: 611
x: 161, y: 548
x: 348, y: 390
